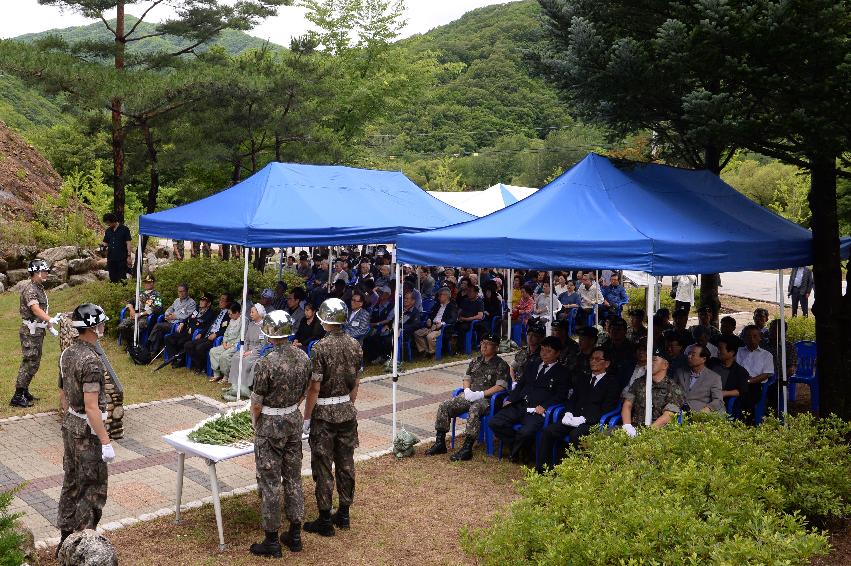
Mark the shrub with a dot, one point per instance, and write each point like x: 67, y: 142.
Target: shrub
x: 800, y: 328
x: 638, y: 299
x: 708, y: 492
x: 10, y: 538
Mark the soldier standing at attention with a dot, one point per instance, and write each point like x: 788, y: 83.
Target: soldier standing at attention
x: 86, y: 442
x: 280, y: 384
x: 34, y: 322
x: 330, y: 417
x: 487, y: 375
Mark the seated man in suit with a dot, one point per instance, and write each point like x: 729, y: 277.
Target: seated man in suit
x: 444, y: 313
x: 734, y: 376
x: 702, y: 385
x: 486, y: 375
x: 358, y: 324
x: 200, y: 319
x: 543, y: 384
x: 593, y: 396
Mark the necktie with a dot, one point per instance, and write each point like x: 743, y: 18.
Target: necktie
x: 542, y: 371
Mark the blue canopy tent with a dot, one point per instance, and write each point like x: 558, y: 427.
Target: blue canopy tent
x: 286, y: 204
x: 646, y: 217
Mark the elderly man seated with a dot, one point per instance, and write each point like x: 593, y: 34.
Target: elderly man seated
x: 150, y: 303
x: 760, y: 322
x: 487, y: 375
x: 471, y: 311
x: 614, y: 297
x: 704, y: 316
x: 444, y: 313
x: 542, y: 384
x: 181, y: 309
x: 734, y: 377
x: 357, y: 325
x: 702, y: 386
x: 666, y: 396
x: 590, y: 297
x: 759, y: 364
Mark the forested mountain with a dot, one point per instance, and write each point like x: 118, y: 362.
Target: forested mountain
x: 234, y: 42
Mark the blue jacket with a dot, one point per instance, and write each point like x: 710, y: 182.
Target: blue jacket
x: 358, y: 326
x: 615, y: 294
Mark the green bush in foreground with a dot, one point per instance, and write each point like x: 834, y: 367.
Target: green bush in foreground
x: 10, y: 538
x: 708, y: 492
x: 800, y: 328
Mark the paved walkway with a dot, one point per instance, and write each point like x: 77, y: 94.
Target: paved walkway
x: 142, y: 478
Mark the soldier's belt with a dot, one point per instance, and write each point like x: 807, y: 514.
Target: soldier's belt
x: 333, y: 400
x: 279, y: 411
x: 33, y: 324
x: 85, y: 417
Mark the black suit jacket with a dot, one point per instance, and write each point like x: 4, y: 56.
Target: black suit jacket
x: 594, y: 402
x: 552, y: 388
x: 200, y: 322
x: 450, y: 315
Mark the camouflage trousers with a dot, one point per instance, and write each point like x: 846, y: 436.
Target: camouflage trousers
x: 458, y: 405
x: 333, y: 443
x: 84, y: 487
x: 31, y: 356
x: 278, y: 465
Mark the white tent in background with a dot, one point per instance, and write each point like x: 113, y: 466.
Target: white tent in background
x: 482, y: 203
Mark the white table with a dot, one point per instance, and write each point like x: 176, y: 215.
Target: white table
x: 212, y: 455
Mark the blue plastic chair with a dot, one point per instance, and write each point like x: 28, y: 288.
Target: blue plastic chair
x: 438, y: 345
x: 121, y: 317
x: 571, y: 321
x: 217, y: 342
x: 548, y: 420
x: 195, y: 334
x: 166, y: 355
x: 611, y: 416
x: 518, y: 333
x: 589, y: 321
x: 805, y: 372
x: 759, y: 411
x: 427, y: 305
x: 485, y: 434
x: 496, y: 325
x: 153, y: 319
x: 470, y: 338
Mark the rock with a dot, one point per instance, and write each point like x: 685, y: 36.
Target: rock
x: 27, y: 545
x: 4, y: 279
x: 75, y: 280
x: 60, y: 287
x: 82, y: 265
x: 101, y: 274
x: 87, y: 548
x: 100, y: 263
x: 60, y: 253
x: 17, y: 275
x: 18, y: 287
x: 60, y: 270
x: 2, y: 288
x: 4, y: 265
x: 118, y: 413
x: 162, y: 253
x: 52, y: 281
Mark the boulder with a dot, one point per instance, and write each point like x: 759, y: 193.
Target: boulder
x: 101, y: 274
x: 18, y: 287
x: 20, y: 257
x: 4, y: 265
x: 60, y: 270
x: 4, y: 279
x: 60, y: 253
x: 17, y: 275
x: 87, y: 548
x: 75, y: 280
x: 162, y: 253
x: 60, y: 287
x: 100, y: 263
x: 53, y: 281
x: 2, y: 288
x: 82, y: 265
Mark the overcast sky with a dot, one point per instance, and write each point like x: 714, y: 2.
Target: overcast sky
x: 28, y: 16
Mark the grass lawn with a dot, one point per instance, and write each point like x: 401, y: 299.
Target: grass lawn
x: 141, y: 383
x: 409, y: 511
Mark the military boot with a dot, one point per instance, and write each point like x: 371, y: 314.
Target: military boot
x: 18, y: 399
x: 29, y: 396
x: 269, y: 547
x: 321, y: 526
x: 439, y: 446
x: 341, y: 517
x: 466, y: 452
x: 292, y: 538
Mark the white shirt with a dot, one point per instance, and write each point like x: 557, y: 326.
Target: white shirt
x: 589, y: 297
x: 352, y: 315
x: 713, y: 349
x: 799, y: 276
x: 595, y: 379
x: 685, y: 288
x: 757, y: 362
x: 438, y: 318
x: 544, y: 365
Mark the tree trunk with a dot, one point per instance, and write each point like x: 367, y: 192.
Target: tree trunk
x: 709, y: 281
x: 279, y: 145
x: 153, y: 165
x: 237, y: 172
x: 119, y: 197
x: 831, y: 319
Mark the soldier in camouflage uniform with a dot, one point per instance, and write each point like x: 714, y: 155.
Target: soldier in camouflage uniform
x: 150, y: 302
x: 34, y: 323
x: 667, y: 397
x: 280, y: 383
x: 331, y: 417
x: 570, y: 349
x: 86, y: 442
x: 531, y: 351
x: 487, y: 375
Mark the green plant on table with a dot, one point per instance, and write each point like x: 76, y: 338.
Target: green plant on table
x: 225, y: 429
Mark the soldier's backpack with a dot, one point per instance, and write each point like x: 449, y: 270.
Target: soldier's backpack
x: 140, y: 355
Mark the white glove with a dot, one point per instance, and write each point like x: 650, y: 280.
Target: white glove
x: 468, y: 394
x: 53, y: 331
x: 55, y: 319
x: 107, y: 453
x: 305, y: 429
x: 578, y: 420
x: 630, y: 430
x: 473, y: 396
x: 530, y: 410
x: 567, y: 419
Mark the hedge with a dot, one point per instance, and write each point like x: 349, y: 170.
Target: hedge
x: 710, y: 491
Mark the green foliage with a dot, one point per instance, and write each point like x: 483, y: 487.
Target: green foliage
x: 10, y: 539
x: 638, y: 299
x: 709, y: 492
x: 774, y: 185
x: 225, y: 429
x: 24, y: 109
x: 800, y: 328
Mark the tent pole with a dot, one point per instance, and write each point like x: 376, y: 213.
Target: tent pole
x: 281, y: 265
x: 552, y: 307
x: 782, y: 304
x: 658, y: 301
x: 244, y: 321
x: 138, y: 291
x: 508, y: 289
x: 648, y: 387
x: 397, y: 318
x: 597, y: 306
x: 330, y: 267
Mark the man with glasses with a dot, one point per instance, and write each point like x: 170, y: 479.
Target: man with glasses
x: 181, y: 309
x: 702, y: 386
x: 294, y: 307
x: 357, y: 325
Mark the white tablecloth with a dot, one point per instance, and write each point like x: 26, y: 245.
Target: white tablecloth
x: 179, y: 441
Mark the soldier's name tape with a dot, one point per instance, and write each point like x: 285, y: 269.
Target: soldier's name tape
x: 33, y: 324
x: 279, y: 411
x: 333, y: 400
x: 85, y: 417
